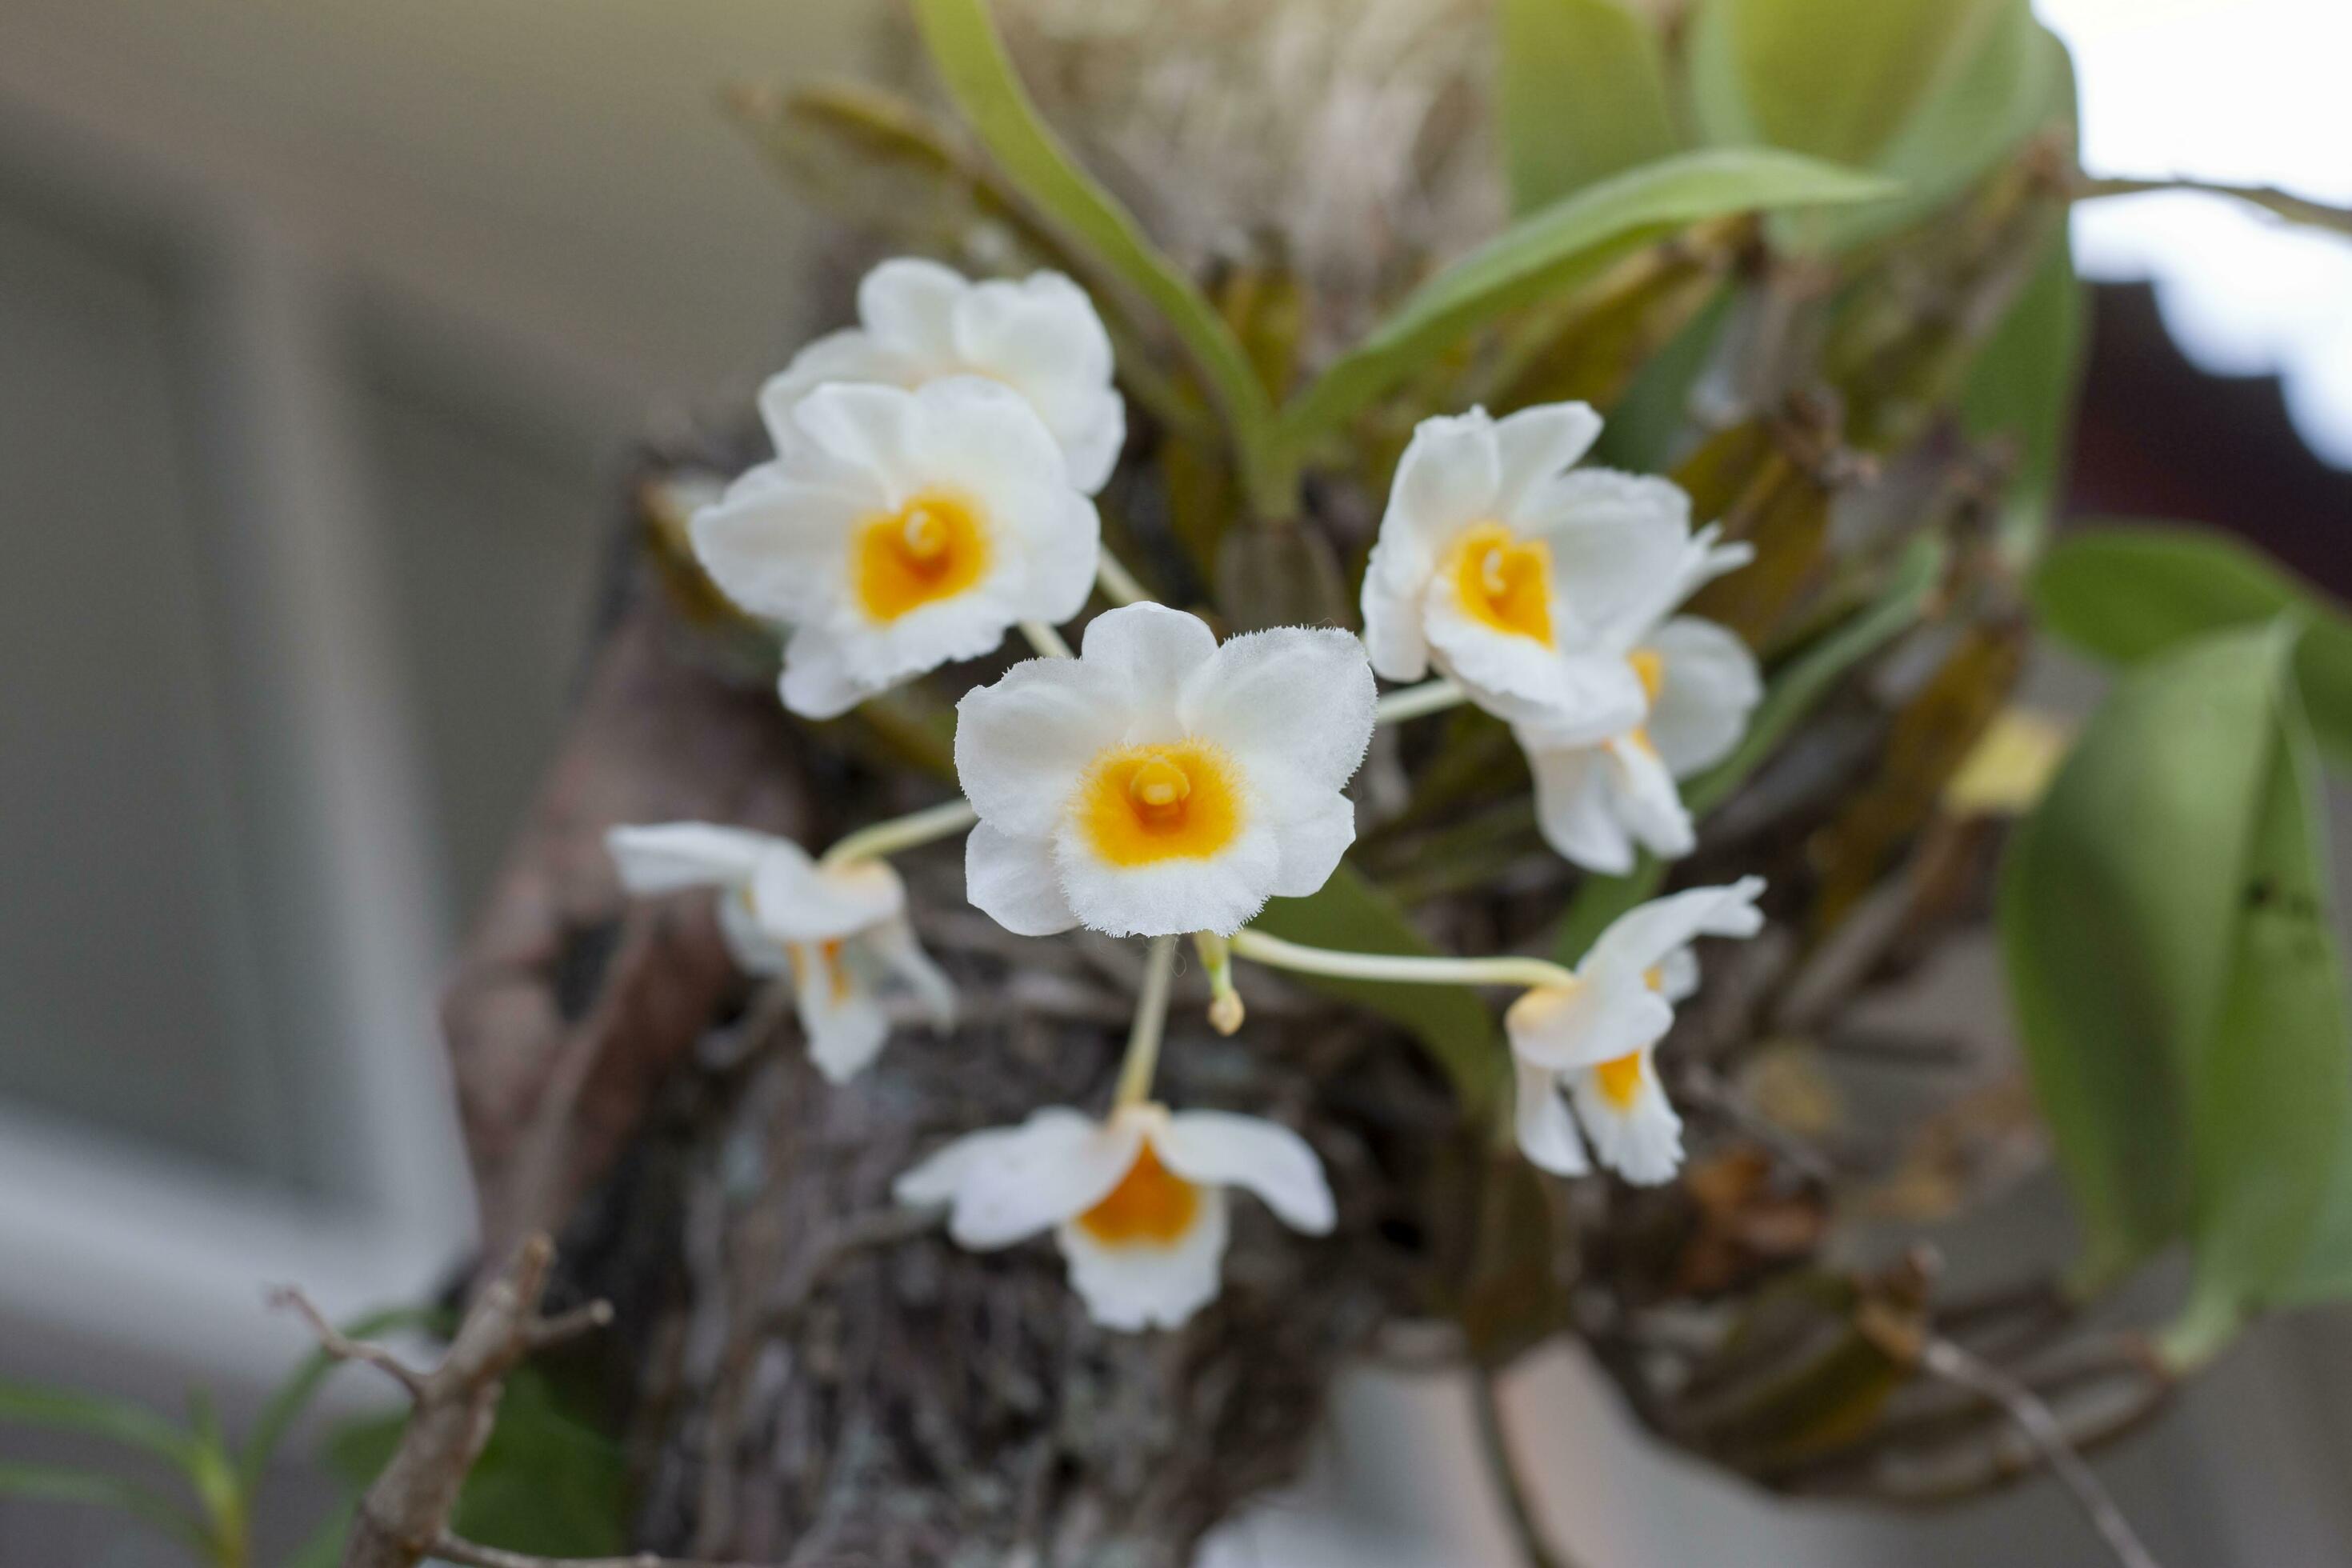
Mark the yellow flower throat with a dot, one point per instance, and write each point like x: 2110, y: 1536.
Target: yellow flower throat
x: 932, y: 548
x: 1141, y: 805
x: 1504, y: 582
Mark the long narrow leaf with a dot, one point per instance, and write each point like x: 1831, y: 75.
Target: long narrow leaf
x: 1552, y: 247
x: 96, y: 1415
x: 971, y: 60
x: 57, y: 1483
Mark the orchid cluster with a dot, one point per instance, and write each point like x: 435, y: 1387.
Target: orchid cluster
x: 930, y: 493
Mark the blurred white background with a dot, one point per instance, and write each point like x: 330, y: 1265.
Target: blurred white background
x: 322, y: 332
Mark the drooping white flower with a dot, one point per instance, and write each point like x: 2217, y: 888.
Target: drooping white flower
x: 1600, y: 795
x: 919, y: 321
x: 839, y: 932
x: 896, y: 530
x: 1597, y: 1040
x: 1488, y: 528
x: 1136, y: 1204
x: 1161, y: 784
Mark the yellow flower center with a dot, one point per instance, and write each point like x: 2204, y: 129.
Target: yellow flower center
x: 1621, y: 1080
x: 1141, y: 804
x: 1504, y: 582
x: 932, y: 548
x: 1151, y: 1206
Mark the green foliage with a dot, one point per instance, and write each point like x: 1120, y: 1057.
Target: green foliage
x: 547, y: 1483
x: 2023, y: 387
x: 2129, y: 593
x: 95, y: 1489
x: 214, y: 1530
x: 971, y: 61
x: 1566, y: 242
x: 1837, y: 78
x: 97, y: 1416
x: 1929, y: 92
x: 2163, y: 925
x: 1353, y: 915
x: 1583, y: 96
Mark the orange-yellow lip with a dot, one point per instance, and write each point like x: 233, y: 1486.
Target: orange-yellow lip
x: 1504, y: 582
x: 1142, y: 805
x: 1621, y: 1080
x: 1151, y: 1206
x: 932, y: 548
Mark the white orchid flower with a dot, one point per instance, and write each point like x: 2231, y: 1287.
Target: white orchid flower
x: 1137, y: 1202
x: 1161, y: 784
x: 1489, y: 525
x: 898, y: 530
x: 1597, y: 1038
x: 839, y: 932
x: 1600, y: 795
x: 919, y: 321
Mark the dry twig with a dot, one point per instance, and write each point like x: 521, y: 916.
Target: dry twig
x: 404, y: 1517
x: 1906, y: 1337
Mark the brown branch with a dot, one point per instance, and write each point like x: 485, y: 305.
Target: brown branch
x: 333, y: 1341
x: 404, y: 1517
x: 2277, y: 202
x: 1495, y: 1446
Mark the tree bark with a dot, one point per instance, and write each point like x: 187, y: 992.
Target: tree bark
x: 811, y: 1375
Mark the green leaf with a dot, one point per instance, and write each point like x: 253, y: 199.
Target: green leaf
x: 2120, y: 904
x: 1553, y: 249
x: 1836, y: 78
x: 1931, y: 93
x: 1795, y: 690
x: 57, y: 1483
x: 1583, y: 96
x: 2128, y: 592
x: 1352, y: 914
x: 324, y: 1548
x: 2272, y: 1092
x: 97, y: 1416
x: 2017, y: 80
x: 547, y: 1483
x: 971, y: 61
x: 2022, y: 387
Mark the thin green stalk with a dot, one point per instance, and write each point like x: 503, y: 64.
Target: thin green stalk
x: 1045, y: 639
x: 943, y: 821
x: 1142, y: 1063
x: 1412, y: 701
x: 1117, y: 583
x: 1507, y: 970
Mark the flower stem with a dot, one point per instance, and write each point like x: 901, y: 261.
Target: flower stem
x: 1045, y: 639
x: 1117, y: 583
x: 1508, y: 969
x: 1412, y: 701
x: 1135, y: 1074
x: 900, y: 833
